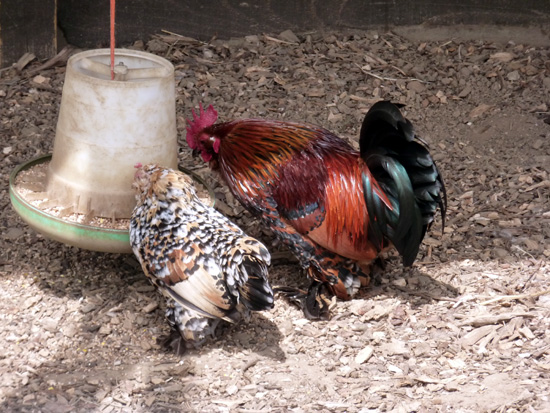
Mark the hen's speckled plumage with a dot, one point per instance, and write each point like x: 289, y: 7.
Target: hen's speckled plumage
x: 205, y: 265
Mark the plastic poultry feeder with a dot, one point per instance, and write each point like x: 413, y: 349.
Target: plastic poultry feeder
x: 104, y: 128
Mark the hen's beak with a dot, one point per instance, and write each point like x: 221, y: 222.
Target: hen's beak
x: 195, y: 153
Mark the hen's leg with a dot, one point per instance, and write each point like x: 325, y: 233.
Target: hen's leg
x: 188, y: 329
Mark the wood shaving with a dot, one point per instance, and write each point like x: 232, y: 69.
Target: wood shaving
x: 465, y: 329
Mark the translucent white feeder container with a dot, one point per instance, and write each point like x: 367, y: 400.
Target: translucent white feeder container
x: 107, y: 126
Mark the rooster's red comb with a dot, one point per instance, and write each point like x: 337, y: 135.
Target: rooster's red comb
x: 203, y: 120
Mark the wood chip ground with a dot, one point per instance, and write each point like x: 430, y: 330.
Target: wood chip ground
x: 464, y: 330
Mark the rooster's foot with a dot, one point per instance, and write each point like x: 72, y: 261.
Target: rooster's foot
x: 315, y: 302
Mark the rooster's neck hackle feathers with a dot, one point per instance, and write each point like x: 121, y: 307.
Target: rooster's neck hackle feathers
x: 255, y: 152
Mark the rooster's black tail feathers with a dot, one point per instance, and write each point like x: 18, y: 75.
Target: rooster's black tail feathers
x: 404, y: 169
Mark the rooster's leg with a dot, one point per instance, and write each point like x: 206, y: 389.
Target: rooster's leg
x: 314, y: 302
x: 317, y: 301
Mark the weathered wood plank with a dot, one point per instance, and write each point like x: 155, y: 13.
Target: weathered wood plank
x: 86, y: 22
x: 27, y: 26
x: 30, y: 26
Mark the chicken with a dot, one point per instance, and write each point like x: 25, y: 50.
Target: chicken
x: 207, y: 267
x: 336, y: 208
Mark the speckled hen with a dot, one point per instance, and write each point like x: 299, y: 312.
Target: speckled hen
x: 207, y: 267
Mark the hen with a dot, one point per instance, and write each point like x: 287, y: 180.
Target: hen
x: 336, y: 208
x: 206, y: 267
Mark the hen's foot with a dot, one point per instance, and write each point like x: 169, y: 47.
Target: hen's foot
x: 173, y: 342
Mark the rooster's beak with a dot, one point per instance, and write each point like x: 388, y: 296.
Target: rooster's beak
x: 195, y: 153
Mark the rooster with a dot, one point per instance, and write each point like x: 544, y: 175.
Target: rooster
x: 207, y: 268
x: 336, y: 208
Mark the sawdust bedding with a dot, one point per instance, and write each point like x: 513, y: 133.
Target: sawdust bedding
x: 464, y: 330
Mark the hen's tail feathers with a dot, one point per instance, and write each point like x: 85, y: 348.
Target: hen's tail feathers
x: 256, y: 293
x: 401, y: 165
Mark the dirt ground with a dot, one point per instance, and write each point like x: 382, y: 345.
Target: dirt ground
x: 464, y: 330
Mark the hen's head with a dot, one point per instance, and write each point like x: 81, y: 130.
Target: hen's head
x: 143, y: 180
x: 198, y: 136
x: 154, y: 181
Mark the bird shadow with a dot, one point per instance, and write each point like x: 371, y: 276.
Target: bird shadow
x: 410, y: 284
x: 391, y: 280
x: 92, y: 289
x: 258, y: 335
